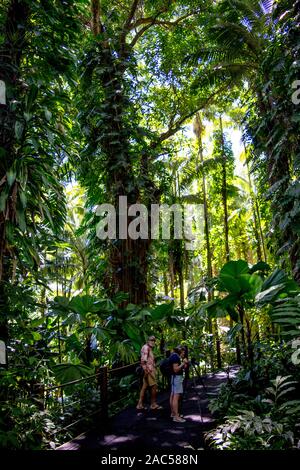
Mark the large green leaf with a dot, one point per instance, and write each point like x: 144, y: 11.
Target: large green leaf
x: 105, y: 305
x: 234, y: 268
x: 11, y: 176
x: 68, y: 372
x: 234, y: 277
x: 233, y: 332
x: 260, y: 266
x: 256, y: 283
x: 228, y: 283
x: 244, y: 282
x: 162, y: 311
x: 132, y: 332
x: 229, y: 304
x: 60, y: 304
x: 215, y: 308
x: 84, y: 304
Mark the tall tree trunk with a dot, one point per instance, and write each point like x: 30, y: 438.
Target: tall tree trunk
x: 128, y: 260
x: 181, y: 289
x: 166, y: 287
x: 224, y: 193
x: 242, y: 316
x: 260, y: 244
x: 249, y: 343
x: 198, y: 129
x: 171, y: 272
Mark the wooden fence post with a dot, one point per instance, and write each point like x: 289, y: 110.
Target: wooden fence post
x: 103, y: 383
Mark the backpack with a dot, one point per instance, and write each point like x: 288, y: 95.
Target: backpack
x: 139, y: 371
x: 166, y: 367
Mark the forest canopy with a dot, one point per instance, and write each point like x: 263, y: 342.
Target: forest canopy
x: 183, y: 105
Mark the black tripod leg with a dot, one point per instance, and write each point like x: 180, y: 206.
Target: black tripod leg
x: 200, y: 378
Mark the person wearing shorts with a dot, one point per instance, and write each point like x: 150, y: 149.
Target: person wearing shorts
x: 149, y: 379
x: 178, y: 364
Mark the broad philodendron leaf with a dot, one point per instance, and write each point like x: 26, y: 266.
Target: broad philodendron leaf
x: 68, y: 372
x: 132, y: 332
x: 105, y: 305
x: 255, y: 283
x: 228, y: 283
x: 229, y: 304
x: 84, y: 304
x: 260, y: 266
x: 61, y: 301
x: 234, y: 277
x: 235, y: 268
x: 162, y: 311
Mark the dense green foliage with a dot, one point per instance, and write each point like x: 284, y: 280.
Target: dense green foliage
x: 166, y: 102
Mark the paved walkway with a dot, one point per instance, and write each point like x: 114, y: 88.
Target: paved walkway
x: 131, y: 429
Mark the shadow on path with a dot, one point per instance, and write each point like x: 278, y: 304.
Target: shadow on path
x: 132, y: 429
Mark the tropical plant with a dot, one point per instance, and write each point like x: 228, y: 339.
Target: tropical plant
x: 247, y: 431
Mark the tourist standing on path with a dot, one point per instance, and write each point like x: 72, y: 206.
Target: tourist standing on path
x: 177, y: 363
x: 149, y: 379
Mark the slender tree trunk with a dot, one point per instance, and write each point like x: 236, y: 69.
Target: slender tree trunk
x: 238, y: 351
x: 256, y: 215
x: 181, y: 289
x: 172, y: 276
x: 224, y: 194
x: 198, y: 129
x: 249, y: 342
x: 242, y: 316
x: 166, y: 287
x: 262, y: 237
x: 218, y: 344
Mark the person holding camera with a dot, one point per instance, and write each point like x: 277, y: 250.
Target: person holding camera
x: 178, y: 364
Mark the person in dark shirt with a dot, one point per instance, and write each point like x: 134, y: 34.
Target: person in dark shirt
x: 178, y: 363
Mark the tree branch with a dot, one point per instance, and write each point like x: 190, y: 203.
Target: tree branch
x: 126, y: 27
x: 96, y: 22
x: 140, y: 34
x: 131, y: 14
x: 175, y: 127
x: 150, y: 21
x: 153, y: 20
